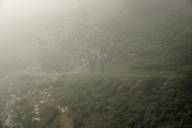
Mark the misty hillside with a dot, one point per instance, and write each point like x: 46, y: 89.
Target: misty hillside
x: 155, y: 35
x: 149, y: 34
x: 95, y: 64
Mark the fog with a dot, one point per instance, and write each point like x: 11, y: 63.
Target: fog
x: 95, y: 63
x: 22, y: 21
x: 28, y: 26
x: 25, y: 22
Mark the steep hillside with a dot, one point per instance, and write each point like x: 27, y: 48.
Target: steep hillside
x: 100, y: 101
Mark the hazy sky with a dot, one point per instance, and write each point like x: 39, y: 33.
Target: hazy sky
x: 24, y: 15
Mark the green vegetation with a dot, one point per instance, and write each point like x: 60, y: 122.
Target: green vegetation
x: 105, y: 101
x: 100, y: 64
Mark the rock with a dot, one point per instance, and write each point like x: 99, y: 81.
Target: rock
x: 53, y: 117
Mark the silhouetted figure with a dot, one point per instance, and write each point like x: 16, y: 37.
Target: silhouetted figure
x: 102, y: 62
